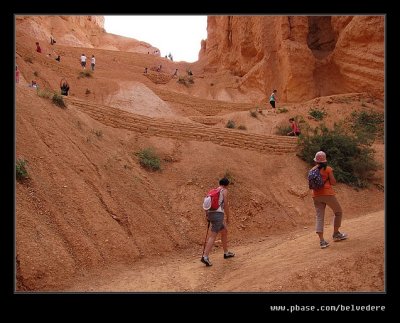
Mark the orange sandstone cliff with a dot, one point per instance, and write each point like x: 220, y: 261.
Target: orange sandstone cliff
x: 302, y: 57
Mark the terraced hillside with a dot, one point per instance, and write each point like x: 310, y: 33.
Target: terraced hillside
x: 185, y: 131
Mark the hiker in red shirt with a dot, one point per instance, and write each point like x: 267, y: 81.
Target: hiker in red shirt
x: 295, y: 128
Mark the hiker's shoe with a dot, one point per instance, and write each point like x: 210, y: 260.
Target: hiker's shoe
x: 339, y: 236
x: 229, y: 254
x: 323, y: 244
x: 206, y: 261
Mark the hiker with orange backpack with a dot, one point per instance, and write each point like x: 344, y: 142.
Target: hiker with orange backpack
x: 216, y: 216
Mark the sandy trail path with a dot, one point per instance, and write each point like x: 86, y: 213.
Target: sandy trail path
x: 288, y: 262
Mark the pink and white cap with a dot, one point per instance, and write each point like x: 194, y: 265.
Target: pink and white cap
x: 320, y: 157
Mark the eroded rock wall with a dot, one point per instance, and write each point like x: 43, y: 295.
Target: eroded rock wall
x: 302, y: 57
x: 77, y: 31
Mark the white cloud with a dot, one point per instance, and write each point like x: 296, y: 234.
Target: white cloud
x: 179, y: 35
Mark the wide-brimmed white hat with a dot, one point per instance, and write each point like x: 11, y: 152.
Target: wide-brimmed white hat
x: 320, y: 157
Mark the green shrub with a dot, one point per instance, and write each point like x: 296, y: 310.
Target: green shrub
x: 317, y: 114
x: 352, y: 161
x: 46, y: 93
x: 185, y: 80
x: 98, y: 133
x: 283, y: 129
x: 84, y: 74
x: 254, y: 113
x: 55, y: 98
x: 20, y: 170
x: 367, y: 125
x: 148, y: 159
x: 230, y: 124
x: 58, y: 100
x: 228, y: 174
x: 36, y: 73
x: 282, y: 110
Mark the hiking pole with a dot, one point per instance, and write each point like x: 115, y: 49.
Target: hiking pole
x: 205, y: 241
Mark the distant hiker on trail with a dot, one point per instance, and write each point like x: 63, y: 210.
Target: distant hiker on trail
x: 16, y: 74
x: 92, y: 62
x: 159, y: 68
x: 64, y: 86
x: 58, y: 58
x: 38, y: 49
x: 176, y: 72
x: 145, y: 70
x: 190, y: 73
x: 272, y: 100
x: 295, y: 128
x: 218, y: 224
x: 83, y: 61
x: 326, y: 196
x: 52, y: 40
x: 34, y: 84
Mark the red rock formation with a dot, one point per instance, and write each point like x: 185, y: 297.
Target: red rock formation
x: 302, y: 57
x: 360, y: 53
x: 78, y: 31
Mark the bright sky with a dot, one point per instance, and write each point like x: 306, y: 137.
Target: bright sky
x: 179, y: 35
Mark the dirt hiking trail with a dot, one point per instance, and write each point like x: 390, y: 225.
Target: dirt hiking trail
x: 288, y: 262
